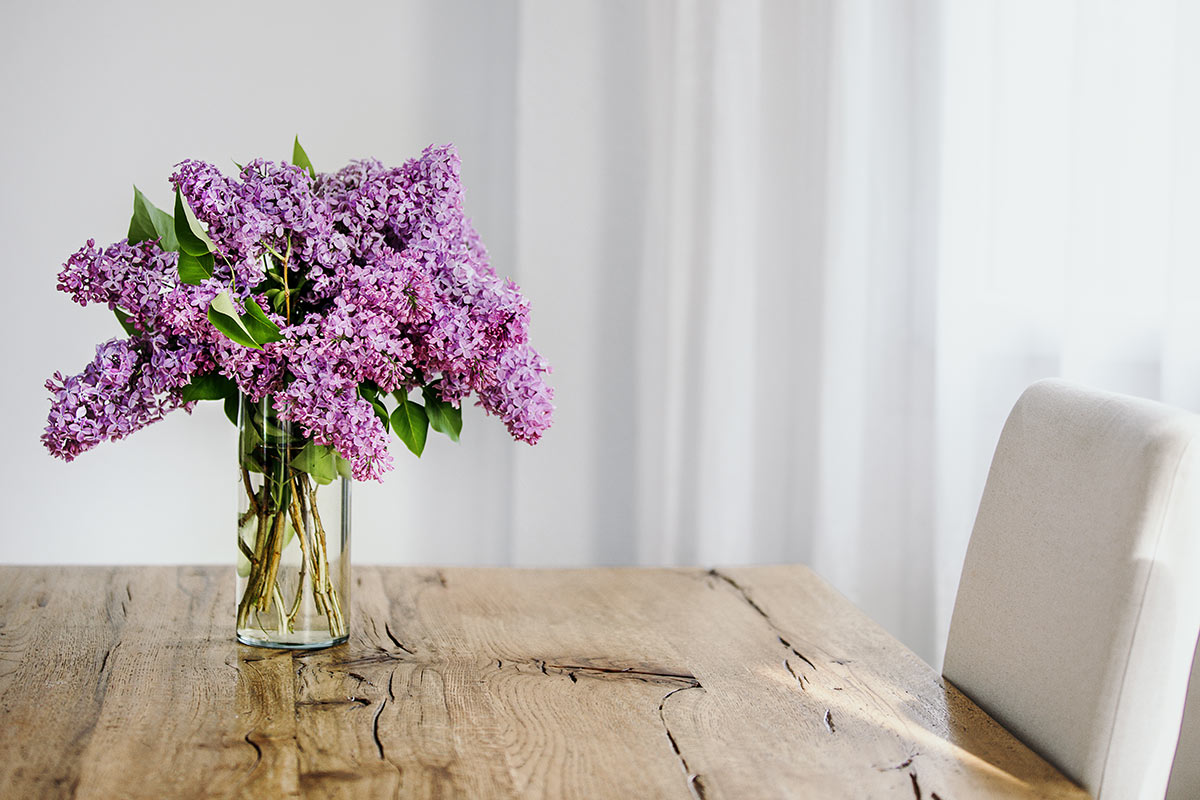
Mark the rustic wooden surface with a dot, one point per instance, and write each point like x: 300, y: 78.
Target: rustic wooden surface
x: 623, y: 683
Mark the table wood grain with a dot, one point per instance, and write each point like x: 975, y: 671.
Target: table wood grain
x: 622, y: 683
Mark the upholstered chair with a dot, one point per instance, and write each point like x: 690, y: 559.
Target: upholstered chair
x: 1077, y: 614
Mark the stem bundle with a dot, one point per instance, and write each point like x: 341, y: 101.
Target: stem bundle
x: 286, y: 496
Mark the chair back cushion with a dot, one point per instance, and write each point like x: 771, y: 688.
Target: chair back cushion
x: 1079, y: 605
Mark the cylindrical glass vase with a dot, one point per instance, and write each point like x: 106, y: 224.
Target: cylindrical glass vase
x: 293, y: 574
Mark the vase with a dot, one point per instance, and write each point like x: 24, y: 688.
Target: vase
x: 293, y: 534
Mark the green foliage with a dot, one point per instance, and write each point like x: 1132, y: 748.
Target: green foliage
x: 370, y: 392
x: 259, y: 325
x: 150, y: 222
x: 411, y: 424
x: 300, y: 159
x: 194, y: 270
x: 276, y: 298
x: 126, y: 325
x: 231, y: 408
x: 225, y: 318
x: 250, y: 329
x: 319, y: 461
x: 443, y: 417
x: 193, y: 240
x: 213, y: 386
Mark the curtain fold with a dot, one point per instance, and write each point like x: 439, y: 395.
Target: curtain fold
x: 757, y: 381
x: 825, y: 245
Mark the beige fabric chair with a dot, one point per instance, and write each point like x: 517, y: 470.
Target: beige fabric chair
x: 1079, y: 606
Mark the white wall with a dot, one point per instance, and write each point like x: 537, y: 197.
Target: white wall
x: 99, y: 96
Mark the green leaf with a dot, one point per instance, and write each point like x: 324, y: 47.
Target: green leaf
x: 370, y: 392
x: 268, y: 425
x: 224, y: 317
x: 300, y: 159
x: 192, y: 238
x: 151, y: 222
x: 260, y: 326
x: 343, y: 467
x: 128, y: 326
x: 194, y: 270
x: 382, y: 412
x: 213, y: 386
x: 443, y: 417
x: 231, y: 408
x: 411, y: 424
x: 317, y: 460
x: 251, y: 329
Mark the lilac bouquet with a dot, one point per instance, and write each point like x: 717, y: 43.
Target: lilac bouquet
x: 317, y: 301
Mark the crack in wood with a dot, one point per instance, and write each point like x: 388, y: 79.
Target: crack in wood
x: 333, y: 776
x: 797, y: 675
x: 438, y: 577
x: 745, y: 595
x: 916, y: 787
x: 360, y: 678
x: 104, y: 677
x: 387, y: 627
x: 375, y: 728
x: 740, y: 590
x: 380, y: 657
x: 794, y: 651
x: 902, y: 765
x: 654, y: 676
x: 695, y: 782
x: 829, y: 721
x: 349, y: 701
x: 257, y: 751
x: 391, y: 680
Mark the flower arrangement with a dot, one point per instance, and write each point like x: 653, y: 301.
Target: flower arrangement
x: 317, y: 301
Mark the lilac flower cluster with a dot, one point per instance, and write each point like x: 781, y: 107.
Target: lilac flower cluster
x: 385, y: 283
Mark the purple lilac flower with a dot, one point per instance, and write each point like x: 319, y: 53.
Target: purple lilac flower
x: 520, y: 395
x: 389, y: 284
x: 121, y: 391
x: 133, y: 278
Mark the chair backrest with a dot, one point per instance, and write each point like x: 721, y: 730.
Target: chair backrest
x: 1079, y: 605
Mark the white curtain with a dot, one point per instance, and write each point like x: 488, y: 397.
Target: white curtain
x: 792, y: 261
x: 1069, y: 221
x: 824, y: 246
x: 754, y: 264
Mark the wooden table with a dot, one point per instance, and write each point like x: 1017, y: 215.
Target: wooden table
x: 621, y: 683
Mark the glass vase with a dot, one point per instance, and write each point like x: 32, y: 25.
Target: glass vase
x: 293, y: 534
